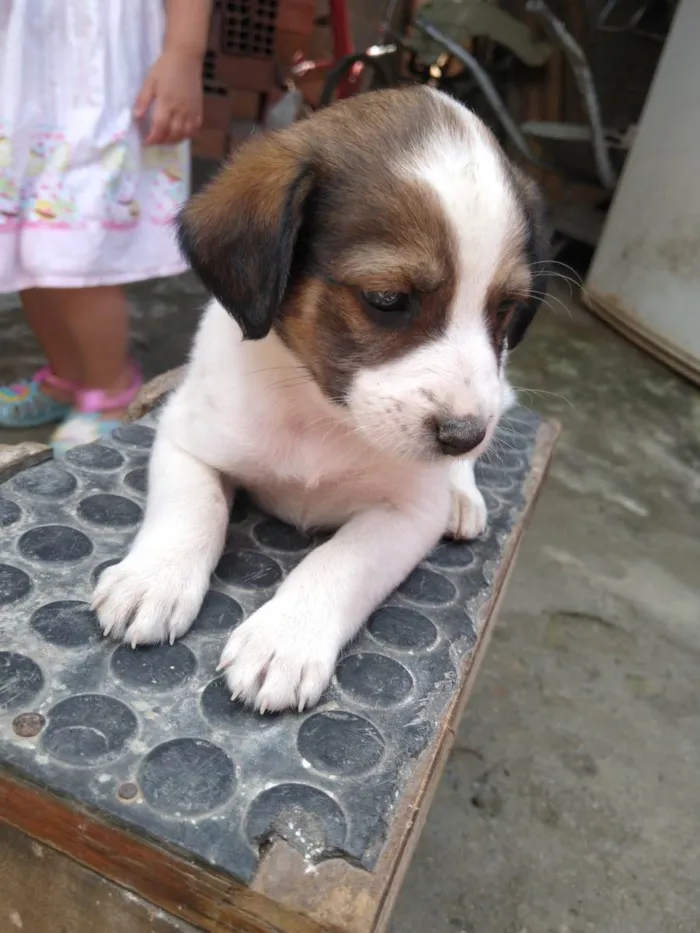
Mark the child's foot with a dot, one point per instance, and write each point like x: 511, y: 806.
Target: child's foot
x: 30, y: 403
x: 97, y: 414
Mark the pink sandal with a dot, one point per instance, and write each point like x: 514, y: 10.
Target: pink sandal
x: 86, y: 423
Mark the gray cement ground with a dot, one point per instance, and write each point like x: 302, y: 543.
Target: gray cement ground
x: 571, y: 801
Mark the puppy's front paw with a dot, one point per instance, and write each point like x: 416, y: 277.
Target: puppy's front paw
x: 278, y: 659
x: 468, y: 515
x: 147, y: 600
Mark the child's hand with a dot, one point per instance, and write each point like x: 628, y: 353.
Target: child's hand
x: 173, y: 89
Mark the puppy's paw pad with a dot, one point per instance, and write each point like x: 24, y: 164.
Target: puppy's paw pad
x: 273, y: 663
x: 145, y: 601
x: 468, y: 515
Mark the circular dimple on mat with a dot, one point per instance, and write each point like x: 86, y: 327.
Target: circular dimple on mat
x: 10, y: 512
x: 67, y: 623
x: 219, y: 709
x: 94, y: 457
x: 55, y: 544
x: 88, y: 728
x: 219, y: 613
x: 100, y: 569
x: 47, y: 481
x: 428, y: 588
x: 374, y: 679
x: 248, y: 569
x: 20, y: 680
x: 14, y: 584
x: 135, y: 435
x: 279, y: 536
x: 110, y: 510
x: 137, y: 479
x: 340, y: 743
x: 154, y: 667
x: 303, y: 816
x: 402, y: 628
x: 451, y: 555
x: 186, y: 777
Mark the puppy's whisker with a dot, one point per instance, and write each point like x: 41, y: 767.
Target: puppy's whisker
x: 271, y: 369
x: 544, y: 392
x: 546, y: 300
x: 549, y: 263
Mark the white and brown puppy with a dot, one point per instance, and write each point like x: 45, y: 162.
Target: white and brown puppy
x: 370, y: 268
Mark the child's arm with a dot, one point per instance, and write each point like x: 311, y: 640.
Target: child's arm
x: 173, y: 88
x: 187, y: 26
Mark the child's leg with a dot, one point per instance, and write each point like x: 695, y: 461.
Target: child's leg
x: 84, y: 333
x: 49, y: 327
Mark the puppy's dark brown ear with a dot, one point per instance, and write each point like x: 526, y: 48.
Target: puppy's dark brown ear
x: 538, y: 249
x: 239, y: 233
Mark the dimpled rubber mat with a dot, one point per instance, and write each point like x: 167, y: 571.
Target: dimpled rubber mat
x: 151, y: 736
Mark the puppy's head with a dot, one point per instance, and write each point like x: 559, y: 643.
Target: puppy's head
x: 393, y: 248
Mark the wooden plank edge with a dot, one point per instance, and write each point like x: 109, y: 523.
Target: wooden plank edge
x: 185, y: 888
x: 346, y: 899
x: 17, y: 457
x: 154, y: 391
x: 611, y: 311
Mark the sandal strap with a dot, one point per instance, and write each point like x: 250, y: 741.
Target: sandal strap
x: 91, y: 401
x: 47, y: 377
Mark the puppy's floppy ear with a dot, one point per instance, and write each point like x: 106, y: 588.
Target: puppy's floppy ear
x: 537, y: 247
x: 239, y: 233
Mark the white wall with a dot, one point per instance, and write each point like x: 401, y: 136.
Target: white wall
x: 647, y: 265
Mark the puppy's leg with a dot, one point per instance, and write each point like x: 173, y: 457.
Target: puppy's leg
x: 284, y: 655
x: 154, y: 594
x: 468, y: 514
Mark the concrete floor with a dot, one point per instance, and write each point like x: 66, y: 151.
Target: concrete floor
x: 570, y: 803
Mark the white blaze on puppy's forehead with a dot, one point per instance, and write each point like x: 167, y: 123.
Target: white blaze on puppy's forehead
x: 460, y: 162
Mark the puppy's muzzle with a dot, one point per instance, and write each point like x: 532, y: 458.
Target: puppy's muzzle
x: 457, y: 436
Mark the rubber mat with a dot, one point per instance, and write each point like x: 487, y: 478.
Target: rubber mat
x: 150, y: 736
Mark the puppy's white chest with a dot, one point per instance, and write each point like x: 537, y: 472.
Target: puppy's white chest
x: 312, y: 479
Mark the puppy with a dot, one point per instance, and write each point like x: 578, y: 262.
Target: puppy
x: 370, y: 269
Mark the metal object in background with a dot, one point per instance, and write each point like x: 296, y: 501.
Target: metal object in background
x: 635, y: 18
x: 465, y: 20
x: 487, y: 87
x: 584, y: 81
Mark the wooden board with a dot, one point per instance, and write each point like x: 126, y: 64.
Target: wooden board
x: 287, y: 895
x: 46, y: 892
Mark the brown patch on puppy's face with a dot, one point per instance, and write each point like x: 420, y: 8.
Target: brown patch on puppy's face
x: 400, y: 246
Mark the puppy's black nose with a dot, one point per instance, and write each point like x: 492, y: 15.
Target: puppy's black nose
x: 458, y: 436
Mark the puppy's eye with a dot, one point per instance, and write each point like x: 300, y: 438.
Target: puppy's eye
x: 390, y: 309
x: 506, y: 307
x: 387, y: 301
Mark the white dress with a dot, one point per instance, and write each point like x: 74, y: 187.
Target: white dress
x: 82, y: 201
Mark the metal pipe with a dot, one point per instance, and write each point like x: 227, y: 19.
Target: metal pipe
x: 584, y: 81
